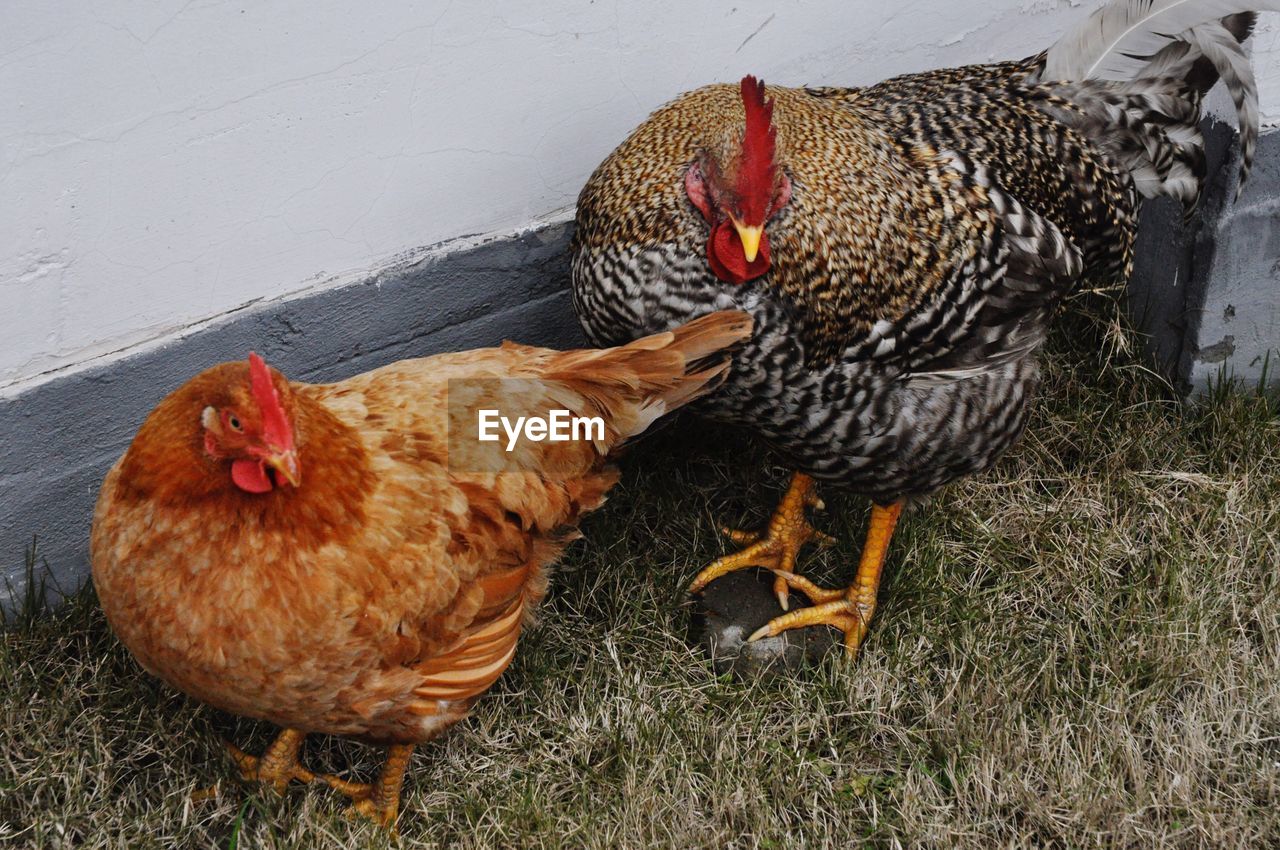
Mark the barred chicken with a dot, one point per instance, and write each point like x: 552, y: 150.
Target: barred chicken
x: 902, y: 248
x: 354, y: 558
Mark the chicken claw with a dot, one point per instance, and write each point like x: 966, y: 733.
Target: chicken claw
x: 380, y: 801
x: 278, y: 765
x: 778, y: 547
x: 849, y: 610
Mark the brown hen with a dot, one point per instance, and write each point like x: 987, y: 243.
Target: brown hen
x: 349, y: 558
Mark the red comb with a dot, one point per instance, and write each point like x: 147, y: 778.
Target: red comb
x: 275, y: 423
x: 757, y: 172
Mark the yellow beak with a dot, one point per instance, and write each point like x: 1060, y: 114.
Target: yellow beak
x: 750, y: 238
x: 286, y: 466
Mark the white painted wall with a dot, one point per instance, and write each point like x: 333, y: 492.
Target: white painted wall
x: 1266, y: 63
x: 164, y: 163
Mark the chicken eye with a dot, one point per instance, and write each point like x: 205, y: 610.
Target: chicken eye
x: 234, y: 423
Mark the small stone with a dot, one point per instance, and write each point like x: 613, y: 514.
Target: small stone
x: 732, y: 607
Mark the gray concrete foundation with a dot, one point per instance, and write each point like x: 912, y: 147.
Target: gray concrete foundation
x: 1208, y: 291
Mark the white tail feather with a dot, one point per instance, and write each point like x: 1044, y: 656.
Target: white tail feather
x: 1118, y: 41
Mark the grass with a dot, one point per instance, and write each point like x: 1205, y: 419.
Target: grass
x: 1079, y: 649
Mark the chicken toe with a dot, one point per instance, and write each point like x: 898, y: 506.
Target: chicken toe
x: 778, y: 547
x: 380, y: 801
x: 849, y: 610
x: 278, y: 765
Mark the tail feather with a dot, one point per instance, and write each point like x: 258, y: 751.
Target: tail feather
x: 1136, y: 72
x: 1118, y: 40
x: 1201, y: 73
x: 1218, y: 45
x: 639, y: 382
x: 1154, y: 135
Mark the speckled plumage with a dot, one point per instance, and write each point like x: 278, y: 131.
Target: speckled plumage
x: 936, y: 220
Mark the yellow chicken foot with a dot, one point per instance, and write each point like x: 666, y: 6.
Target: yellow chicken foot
x: 778, y: 547
x: 849, y: 610
x: 379, y: 802
x: 278, y: 765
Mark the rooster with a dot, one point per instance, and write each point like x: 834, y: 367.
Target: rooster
x: 351, y: 558
x: 902, y: 248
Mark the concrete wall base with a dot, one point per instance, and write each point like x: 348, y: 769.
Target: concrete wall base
x: 1208, y: 292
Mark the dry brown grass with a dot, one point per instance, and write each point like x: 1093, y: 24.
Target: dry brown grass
x: 1081, y: 649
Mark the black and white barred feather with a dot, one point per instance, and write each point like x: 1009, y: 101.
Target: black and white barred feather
x: 936, y: 221
x: 1137, y: 70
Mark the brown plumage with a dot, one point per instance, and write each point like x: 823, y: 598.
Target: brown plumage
x: 365, y: 568
x: 904, y: 253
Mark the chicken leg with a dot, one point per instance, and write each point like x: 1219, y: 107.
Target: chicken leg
x: 278, y: 765
x: 380, y: 801
x: 850, y: 609
x: 778, y: 547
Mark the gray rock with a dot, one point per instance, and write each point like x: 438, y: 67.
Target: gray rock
x: 734, y: 606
